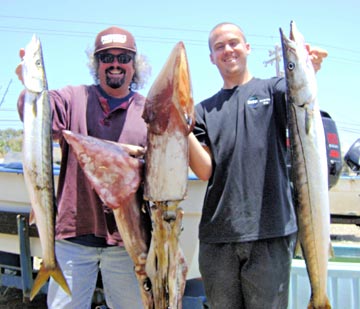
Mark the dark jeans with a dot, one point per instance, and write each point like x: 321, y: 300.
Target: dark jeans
x: 252, y: 275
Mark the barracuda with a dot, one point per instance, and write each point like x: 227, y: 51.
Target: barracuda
x: 308, y: 164
x: 37, y: 162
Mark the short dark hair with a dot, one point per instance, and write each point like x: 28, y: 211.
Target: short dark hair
x: 224, y: 24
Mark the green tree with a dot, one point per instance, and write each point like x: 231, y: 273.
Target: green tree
x: 10, y: 140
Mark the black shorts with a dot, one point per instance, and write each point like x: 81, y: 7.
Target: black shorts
x: 249, y: 275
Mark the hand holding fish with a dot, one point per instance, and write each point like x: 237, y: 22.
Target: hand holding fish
x: 133, y: 150
x: 317, y: 55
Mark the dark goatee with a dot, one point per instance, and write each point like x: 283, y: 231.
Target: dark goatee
x: 114, y: 83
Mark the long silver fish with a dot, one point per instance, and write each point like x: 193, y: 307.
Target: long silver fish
x: 169, y: 112
x: 309, y: 164
x: 37, y: 162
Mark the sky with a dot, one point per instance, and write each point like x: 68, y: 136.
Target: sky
x: 68, y: 28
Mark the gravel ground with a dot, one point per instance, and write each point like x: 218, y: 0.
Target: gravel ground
x: 11, y: 298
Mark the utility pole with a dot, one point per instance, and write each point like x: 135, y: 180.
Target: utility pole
x: 276, y: 55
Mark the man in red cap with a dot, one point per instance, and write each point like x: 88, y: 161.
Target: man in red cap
x: 87, y: 239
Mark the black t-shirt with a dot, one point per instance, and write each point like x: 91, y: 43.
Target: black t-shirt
x: 248, y: 195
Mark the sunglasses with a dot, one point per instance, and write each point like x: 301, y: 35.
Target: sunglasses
x: 109, y: 58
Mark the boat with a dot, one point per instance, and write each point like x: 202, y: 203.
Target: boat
x: 344, y: 271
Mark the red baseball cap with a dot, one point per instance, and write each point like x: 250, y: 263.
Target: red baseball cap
x: 114, y: 37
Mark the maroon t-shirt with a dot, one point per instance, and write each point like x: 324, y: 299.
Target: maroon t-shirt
x: 82, y: 109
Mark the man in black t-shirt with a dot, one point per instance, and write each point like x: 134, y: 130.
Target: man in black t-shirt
x: 248, y: 226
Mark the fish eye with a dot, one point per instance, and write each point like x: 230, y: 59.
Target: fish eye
x: 291, y: 66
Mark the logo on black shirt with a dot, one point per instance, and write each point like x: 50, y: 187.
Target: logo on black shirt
x: 254, y: 101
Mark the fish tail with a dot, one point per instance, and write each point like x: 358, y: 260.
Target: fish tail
x: 42, y: 277
x: 60, y: 279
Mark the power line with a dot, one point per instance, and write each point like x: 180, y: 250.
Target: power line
x: 342, y: 60
x: 147, y: 27
x: 101, y: 23
x: 47, y: 31
x: 348, y: 123
x: 158, y: 39
x: 71, y: 32
x: 146, y: 38
x: 349, y: 130
x: 6, y: 91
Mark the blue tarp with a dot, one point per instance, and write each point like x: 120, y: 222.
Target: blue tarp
x: 16, y: 167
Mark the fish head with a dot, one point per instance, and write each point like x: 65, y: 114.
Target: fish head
x: 33, y: 70
x: 298, y: 68
x: 183, y: 94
